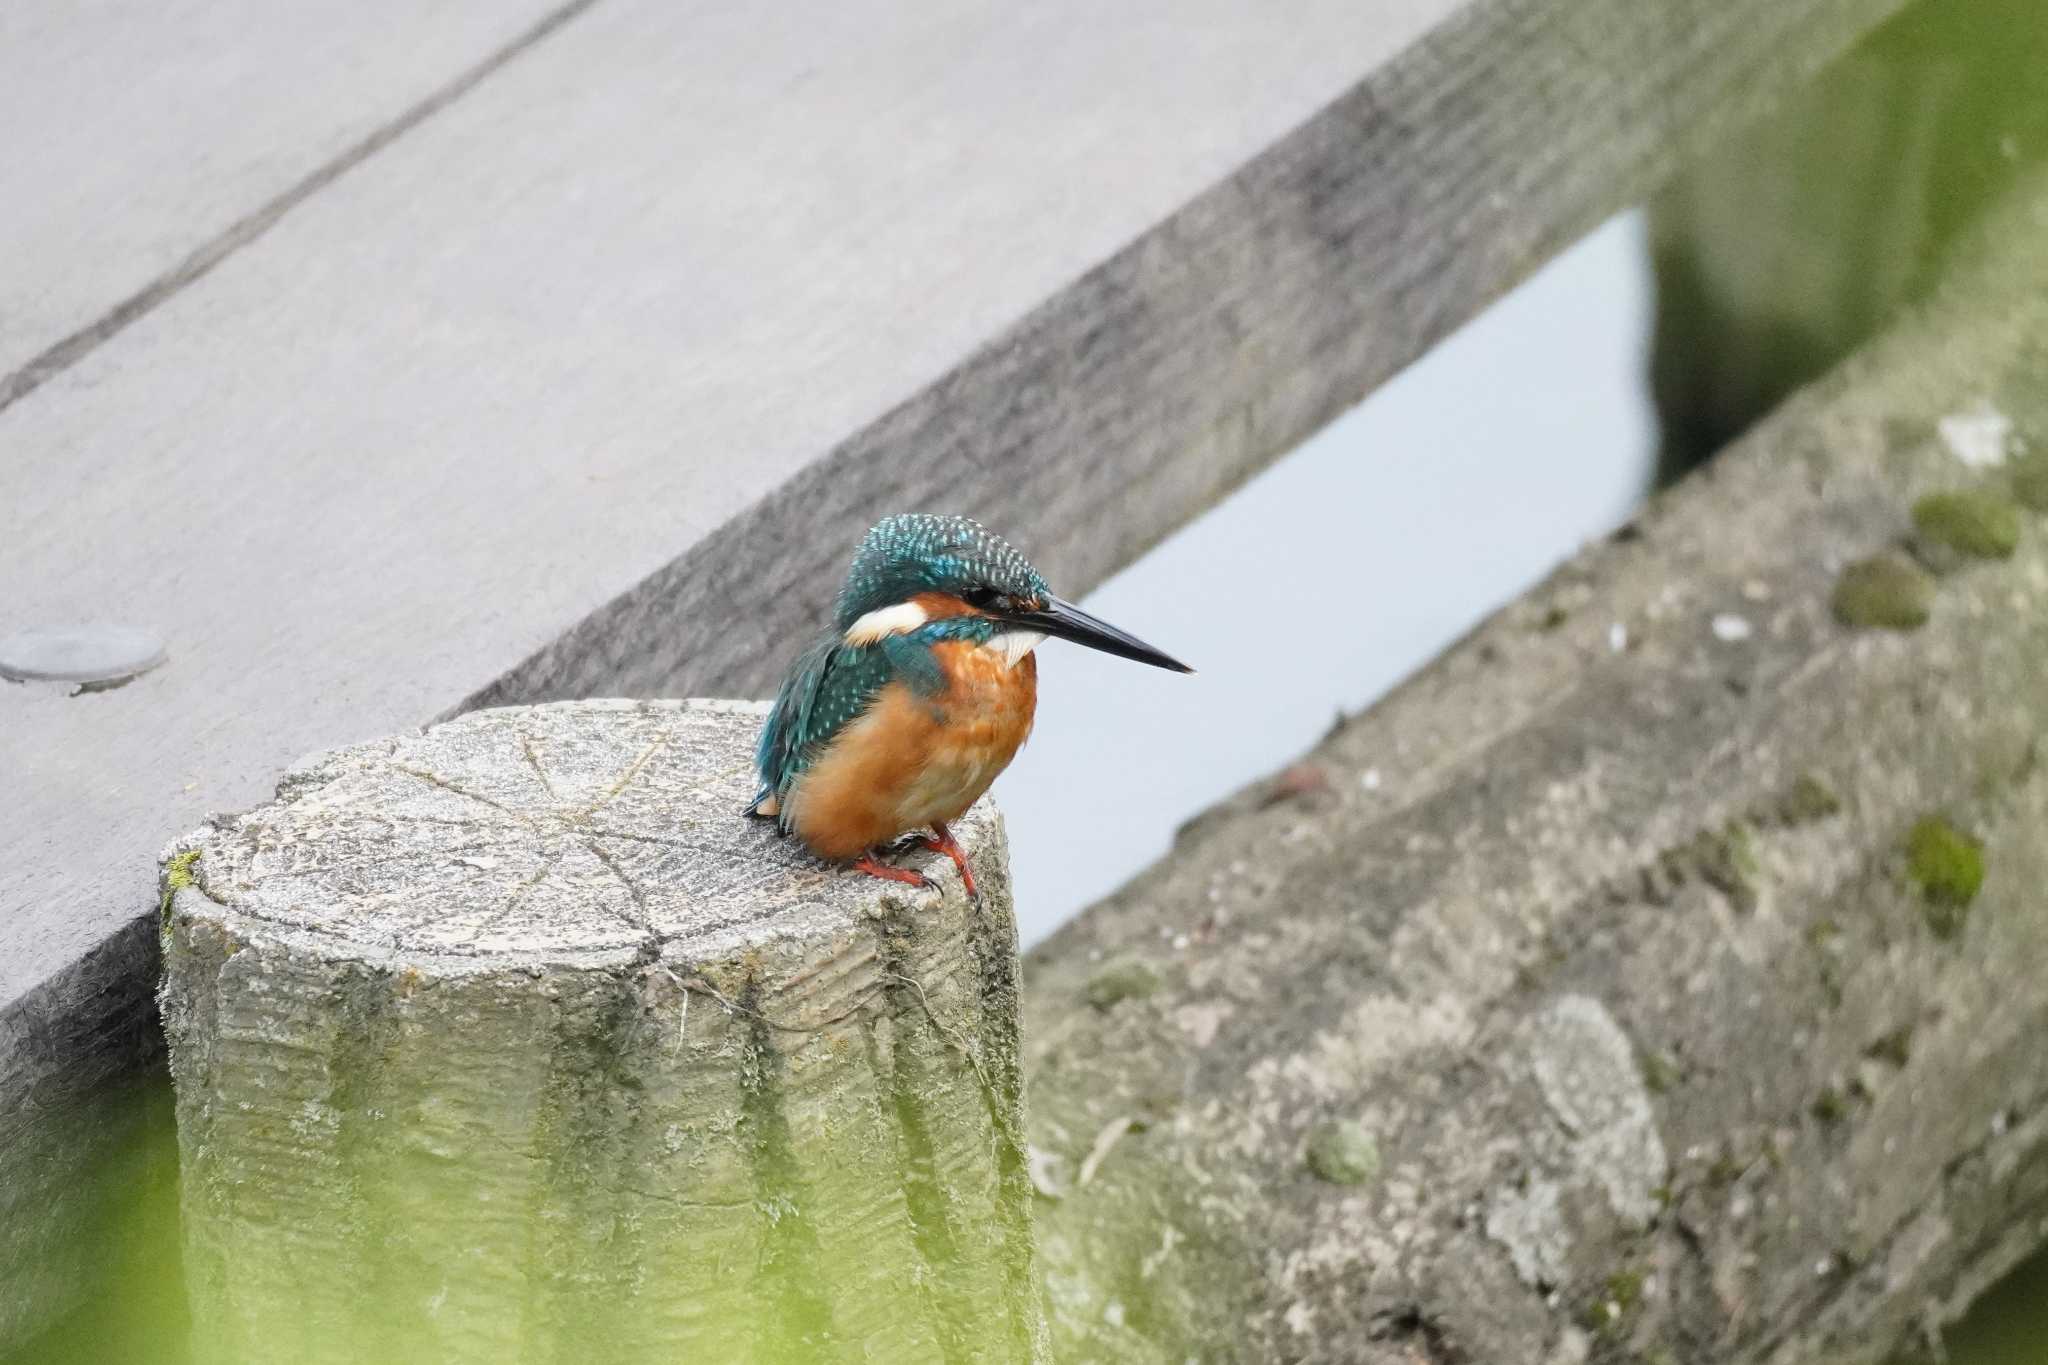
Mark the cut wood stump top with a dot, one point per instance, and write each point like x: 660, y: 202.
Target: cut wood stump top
x: 578, y: 832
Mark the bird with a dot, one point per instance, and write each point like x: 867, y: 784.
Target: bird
x: 922, y: 691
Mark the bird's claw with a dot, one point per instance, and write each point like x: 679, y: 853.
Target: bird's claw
x: 875, y: 867
x: 941, y: 840
x: 944, y: 842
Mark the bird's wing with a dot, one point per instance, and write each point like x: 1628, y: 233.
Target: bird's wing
x: 831, y: 685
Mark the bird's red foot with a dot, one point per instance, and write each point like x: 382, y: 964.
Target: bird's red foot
x: 875, y: 867
x: 945, y: 843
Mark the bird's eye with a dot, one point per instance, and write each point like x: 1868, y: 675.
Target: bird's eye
x: 981, y: 598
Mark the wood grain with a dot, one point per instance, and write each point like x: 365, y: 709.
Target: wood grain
x: 514, y: 1038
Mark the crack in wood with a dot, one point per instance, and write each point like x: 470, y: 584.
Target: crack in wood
x: 642, y: 923
x: 626, y: 778
x: 533, y: 762
x: 436, y: 780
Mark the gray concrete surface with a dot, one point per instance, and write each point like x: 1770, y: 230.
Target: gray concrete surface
x: 142, y: 133
x: 514, y: 1039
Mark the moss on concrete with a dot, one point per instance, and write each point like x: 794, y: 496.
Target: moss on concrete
x: 1808, y: 800
x: 1728, y: 862
x: 1969, y: 521
x: 1343, y: 1153
x: 177, y: 876
x: 1884, y: 592
x: 1607, y: 1314
x: 1128, y: 979
x: 1830, y: 1105
x: 2030, y: 481
x: 1660, y: 1070
x: 1947, y: 867
x: 1895, y: 1047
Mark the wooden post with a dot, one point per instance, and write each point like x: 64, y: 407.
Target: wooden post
x: 513, y: 1040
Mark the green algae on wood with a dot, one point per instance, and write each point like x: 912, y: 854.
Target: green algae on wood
x: 1342, y: 1152
x: 654, y: 1074
x: 1947, y: 867
x: 1970, y: 522
x: 1884, y: 592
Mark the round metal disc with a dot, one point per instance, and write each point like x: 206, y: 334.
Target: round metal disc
x: 79, y: 654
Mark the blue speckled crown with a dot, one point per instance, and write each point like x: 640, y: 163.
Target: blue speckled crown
x: 906, y: 555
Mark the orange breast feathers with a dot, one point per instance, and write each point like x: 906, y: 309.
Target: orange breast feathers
x: 913, y: 760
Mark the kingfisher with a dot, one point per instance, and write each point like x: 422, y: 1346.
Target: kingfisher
x: 902, y: 715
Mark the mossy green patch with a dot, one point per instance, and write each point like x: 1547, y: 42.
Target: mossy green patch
x: 1969, y: 521
x: 1342, y: 1152
x: 1947, y: 867
x: 1830, y: 1105
x: 1809, y: 799
x: 1617, y: 1299
x: 1660, y: 1070
x: 1895, y: 1047
x: 2030, y: 481
x: 1128, y: 979
x: 1884, y: 592
x: 177, y: 876
x: 1729, y: 863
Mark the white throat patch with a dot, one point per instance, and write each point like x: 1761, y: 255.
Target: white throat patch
x: 1013, y: 645
x: 883, y: 622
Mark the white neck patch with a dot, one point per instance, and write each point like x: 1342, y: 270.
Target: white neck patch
x: 1013, y: 645
x: 883, y: 622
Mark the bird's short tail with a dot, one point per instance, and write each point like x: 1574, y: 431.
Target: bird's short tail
x: 764, y: 806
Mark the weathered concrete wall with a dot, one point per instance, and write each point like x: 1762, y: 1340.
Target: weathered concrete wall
x: 1662, y: 975
x: 514, y: 1040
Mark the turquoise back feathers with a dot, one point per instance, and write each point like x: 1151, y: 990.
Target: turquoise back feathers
x: 834, y: 682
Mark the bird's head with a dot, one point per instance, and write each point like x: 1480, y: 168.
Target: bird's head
x: 915, y: 568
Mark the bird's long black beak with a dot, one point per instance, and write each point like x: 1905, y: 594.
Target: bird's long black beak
x: 1068, y: 622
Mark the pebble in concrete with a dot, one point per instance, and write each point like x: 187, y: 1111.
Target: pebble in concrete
x: 88, y: 655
